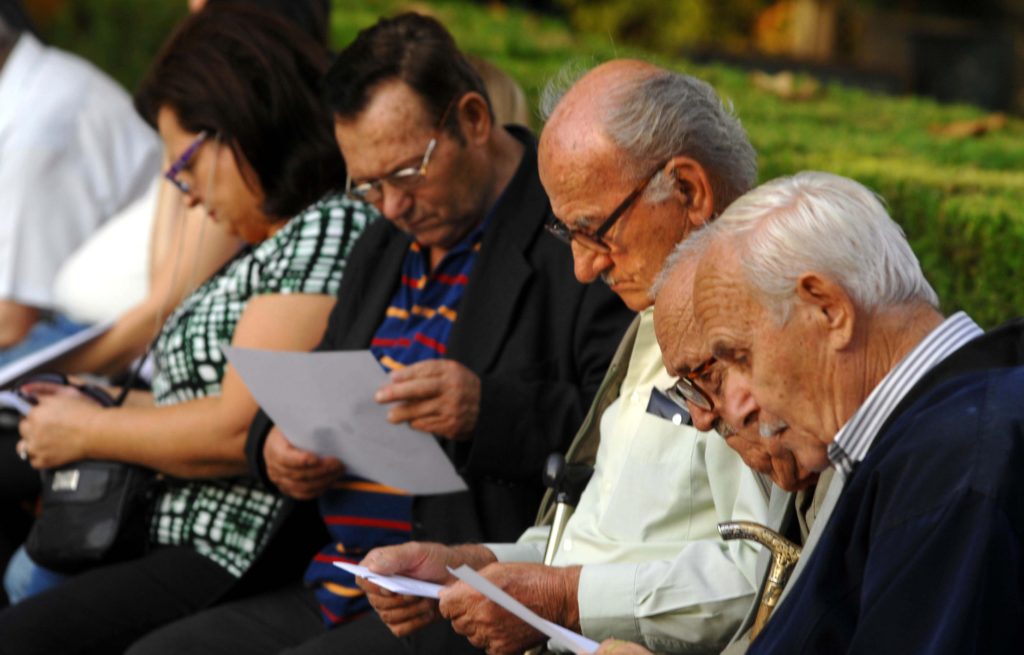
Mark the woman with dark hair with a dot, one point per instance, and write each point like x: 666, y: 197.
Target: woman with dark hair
x: 235, y: 95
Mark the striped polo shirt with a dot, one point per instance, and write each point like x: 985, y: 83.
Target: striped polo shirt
x: 361, y: 515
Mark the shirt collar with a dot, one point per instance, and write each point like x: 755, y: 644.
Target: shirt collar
x: 855, y: 438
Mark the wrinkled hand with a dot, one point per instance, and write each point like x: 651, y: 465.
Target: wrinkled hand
x: 298, y: 473
x: 439, y: 396
x: 548, y: 591
x: 54, y: 431
x: 424, y: 561
x: 616, y: 647
x: 403, y: 615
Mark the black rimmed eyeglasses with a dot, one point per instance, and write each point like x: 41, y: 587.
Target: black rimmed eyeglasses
x: 595, y: 240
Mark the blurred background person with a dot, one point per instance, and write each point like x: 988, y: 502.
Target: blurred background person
x: 133, y: 271
x: 116, y: 276
x: 72, y: 153
x: 236, y: 97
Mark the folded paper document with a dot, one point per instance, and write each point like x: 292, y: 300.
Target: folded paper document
x: 396, y: 583
x: 323, y: 402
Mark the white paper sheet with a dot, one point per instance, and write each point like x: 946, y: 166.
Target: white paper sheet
x: 15, y: 402
x: 563, y: 637
x: 323, y: 402
x: 396, y: 583
x: 40, y: 358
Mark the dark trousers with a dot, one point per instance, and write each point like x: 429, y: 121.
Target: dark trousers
x: 104, y: 610
x: 287, y: 622
x: 19, y: 488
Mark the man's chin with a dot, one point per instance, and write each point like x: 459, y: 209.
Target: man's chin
x: 634, y: 298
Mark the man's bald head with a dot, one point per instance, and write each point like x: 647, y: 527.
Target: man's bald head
x: 647, y: 115
x: 578, y: 117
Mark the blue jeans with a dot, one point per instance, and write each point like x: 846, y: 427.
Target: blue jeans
x: 25, y: 578
x: 45, y: 332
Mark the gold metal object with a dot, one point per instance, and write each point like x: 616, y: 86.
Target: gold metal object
x: 784, y: 558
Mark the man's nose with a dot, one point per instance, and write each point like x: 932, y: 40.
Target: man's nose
x: 703, y: 419
x: 394, y: 203
x: 589, y: 264
x: 738, y: 406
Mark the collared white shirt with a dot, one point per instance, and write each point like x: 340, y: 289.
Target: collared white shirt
x: 654, y: 567
x: 854, y: 439
x: 72, y: 152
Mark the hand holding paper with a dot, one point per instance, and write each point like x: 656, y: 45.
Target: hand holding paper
x: 398, y: 584
x: 495, y: 633
x: 324, y: 403
x: 440, y: 396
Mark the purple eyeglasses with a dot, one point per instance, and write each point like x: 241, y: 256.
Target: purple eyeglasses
x: 179, y: 164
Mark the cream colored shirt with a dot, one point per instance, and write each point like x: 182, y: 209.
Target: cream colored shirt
x: 654, y: 568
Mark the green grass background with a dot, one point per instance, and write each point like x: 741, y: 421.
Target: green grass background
x: 960, y: 201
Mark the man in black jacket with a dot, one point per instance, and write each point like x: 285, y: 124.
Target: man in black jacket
x: 494, y: 347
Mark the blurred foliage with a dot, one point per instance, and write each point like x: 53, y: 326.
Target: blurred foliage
x: 669, y: 26
x: 119, y: 36
x: 960, y: 200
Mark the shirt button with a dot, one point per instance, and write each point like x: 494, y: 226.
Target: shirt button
x: 636, y: 396
x: 567, y: 545
x: 677, y: 419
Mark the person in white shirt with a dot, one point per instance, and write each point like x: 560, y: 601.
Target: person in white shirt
x: 634, y: 159
x: 72, y: 153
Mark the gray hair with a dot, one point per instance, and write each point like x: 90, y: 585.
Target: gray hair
x: 653, y: 118
x: 660, y: 116
x: 559, y: 85
x: 690, y: 249
x: 821, y: 222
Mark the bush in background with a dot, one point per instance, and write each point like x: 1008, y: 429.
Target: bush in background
x: 120, y: 36
x: 960, y: 200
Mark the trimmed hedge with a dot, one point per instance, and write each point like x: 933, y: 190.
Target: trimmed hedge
x: 961, y: 201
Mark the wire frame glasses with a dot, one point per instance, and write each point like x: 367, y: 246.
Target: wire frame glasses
x: 173, y: 172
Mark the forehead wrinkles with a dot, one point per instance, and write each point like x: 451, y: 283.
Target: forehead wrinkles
x: 578, y: 164
x: 674, y: 320
x: 721, y: 304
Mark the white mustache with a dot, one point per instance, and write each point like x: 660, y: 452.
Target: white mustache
x: 769, y: 430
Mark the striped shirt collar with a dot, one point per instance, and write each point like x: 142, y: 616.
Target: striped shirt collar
x: 853, y: 441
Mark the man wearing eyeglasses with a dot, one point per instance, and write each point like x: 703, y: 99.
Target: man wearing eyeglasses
x: 634, y: 159
x: 462, y: 295
x: 716, y: 401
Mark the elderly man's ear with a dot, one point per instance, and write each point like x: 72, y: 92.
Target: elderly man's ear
x: 691, y: 188
x: 831, y: 308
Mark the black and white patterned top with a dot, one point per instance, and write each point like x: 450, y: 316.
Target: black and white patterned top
x: 227, y: 519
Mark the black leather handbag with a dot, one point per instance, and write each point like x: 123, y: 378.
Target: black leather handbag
x: 91, y: 512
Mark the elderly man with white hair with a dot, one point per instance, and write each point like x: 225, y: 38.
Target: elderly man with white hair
x: 810, y: 295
